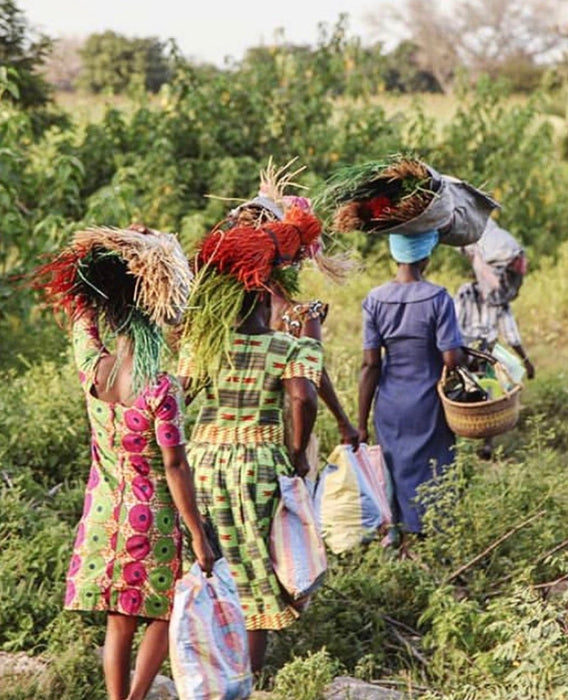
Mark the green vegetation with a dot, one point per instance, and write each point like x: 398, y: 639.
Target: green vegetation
x: 479, y: 612
x: 113, y: 63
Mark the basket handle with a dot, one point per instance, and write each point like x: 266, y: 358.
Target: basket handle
x: 479, y: 354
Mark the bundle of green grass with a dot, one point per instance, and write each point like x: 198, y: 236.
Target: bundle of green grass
x: 402, y: 194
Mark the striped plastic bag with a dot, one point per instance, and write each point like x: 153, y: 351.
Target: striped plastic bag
x: 296, y: 547
x: 208, y: 639
x: 353, y: 497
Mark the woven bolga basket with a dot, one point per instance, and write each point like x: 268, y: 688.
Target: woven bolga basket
x: 482, y: 419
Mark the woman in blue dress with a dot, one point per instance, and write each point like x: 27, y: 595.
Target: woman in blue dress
x: 410, y: 331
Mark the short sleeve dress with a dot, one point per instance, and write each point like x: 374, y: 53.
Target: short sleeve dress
x: 127, y: 552
x: 414, y: 324
x: 237, y: 453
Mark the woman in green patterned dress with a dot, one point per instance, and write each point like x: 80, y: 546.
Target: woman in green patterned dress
x: 237, y: 449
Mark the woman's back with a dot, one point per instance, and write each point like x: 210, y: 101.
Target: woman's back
x: 245, y: 399
x: 414, y: 323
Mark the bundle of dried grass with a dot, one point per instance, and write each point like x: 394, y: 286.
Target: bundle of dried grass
x: 375, y: 196
x: 155, y: 259
x: 131, y: 280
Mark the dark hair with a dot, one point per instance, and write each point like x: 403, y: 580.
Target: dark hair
x: 109, y: 286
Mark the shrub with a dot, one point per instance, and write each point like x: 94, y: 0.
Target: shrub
x: 306, y: 678
x: 44, y: 423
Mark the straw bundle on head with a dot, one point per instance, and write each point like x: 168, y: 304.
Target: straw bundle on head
x: 231, y: 263
x: 260, y: 246
x: 132, y: 279
x: 377, y: 196
x: 156, y: 261
x: 273, y: 204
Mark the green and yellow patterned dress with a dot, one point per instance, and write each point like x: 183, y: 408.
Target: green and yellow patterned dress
x: 237, y: 453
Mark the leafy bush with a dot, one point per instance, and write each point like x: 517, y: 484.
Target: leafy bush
x: 35, y: 547
x: 73, y: 667
x: 306, y: 678
x: 44, y: 424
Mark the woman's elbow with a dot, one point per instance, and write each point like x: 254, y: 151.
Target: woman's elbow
x: 453, y: 358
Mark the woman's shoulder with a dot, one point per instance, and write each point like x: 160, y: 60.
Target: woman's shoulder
x: 163, y: 385
x: 397, y: 293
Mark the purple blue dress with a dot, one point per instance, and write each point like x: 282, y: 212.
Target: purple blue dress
x: 414, y: 324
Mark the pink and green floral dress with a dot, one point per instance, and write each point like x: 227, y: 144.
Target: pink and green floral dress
x: 127, y: 553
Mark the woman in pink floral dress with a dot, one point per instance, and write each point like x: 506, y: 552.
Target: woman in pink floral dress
x: 127, y: 553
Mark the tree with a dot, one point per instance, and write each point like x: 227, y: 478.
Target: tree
x: 484, y: 36
x: 113, y: 62
x: 24, y: 54
x: 63, y: 65
x: 403, y: 70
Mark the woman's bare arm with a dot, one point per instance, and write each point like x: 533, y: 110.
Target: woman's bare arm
x: 180, y: 483
x: 349, y: 434
x: 304, y: 404
x: 368, y: 381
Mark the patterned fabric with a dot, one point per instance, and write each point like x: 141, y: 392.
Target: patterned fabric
x: 237, y: 454
x: 483, y: 322
x: 127, y: 553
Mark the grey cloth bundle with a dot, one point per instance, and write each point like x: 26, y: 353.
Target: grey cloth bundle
x: 458, y: 210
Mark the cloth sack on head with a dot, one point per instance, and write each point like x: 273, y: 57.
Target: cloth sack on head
x: 499, y: 263
x: 296, y: 547
x: 353, y: 497
x: 208, y: 639
x: 459, y: 209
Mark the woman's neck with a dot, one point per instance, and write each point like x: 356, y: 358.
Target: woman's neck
x: 408, y: 272
x: 256, y: 323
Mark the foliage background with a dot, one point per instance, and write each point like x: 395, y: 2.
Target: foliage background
x: 494, y: 629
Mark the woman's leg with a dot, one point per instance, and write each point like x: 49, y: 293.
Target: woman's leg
x: 257, y: 648
x: 153, y: 650
x: 116, y: 654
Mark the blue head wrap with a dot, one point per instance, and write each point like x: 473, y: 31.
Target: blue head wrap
x: 412, y: 247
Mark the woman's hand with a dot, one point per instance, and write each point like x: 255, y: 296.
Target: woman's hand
x: 529, y: 367
x: 203, y: 553
x: 300, y: 464
x: 349, y: 434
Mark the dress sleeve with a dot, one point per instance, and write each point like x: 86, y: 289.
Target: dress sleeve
x: 87, y: 346
x: 166, y: 402
x: 371, y: 337
x: 305, y: 360
x: 448, y: 335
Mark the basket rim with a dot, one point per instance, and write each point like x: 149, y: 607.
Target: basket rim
x: 475, y: 404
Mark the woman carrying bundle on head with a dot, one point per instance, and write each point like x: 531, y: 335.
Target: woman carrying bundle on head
x: 301, y: 319
x: 410, y: 331
x: 127, y: 553
x: 237, y: 449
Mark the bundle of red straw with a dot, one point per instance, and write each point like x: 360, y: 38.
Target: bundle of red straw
x: 250, y: 254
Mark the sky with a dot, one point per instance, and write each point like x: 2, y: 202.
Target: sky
x: 206, y: 30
